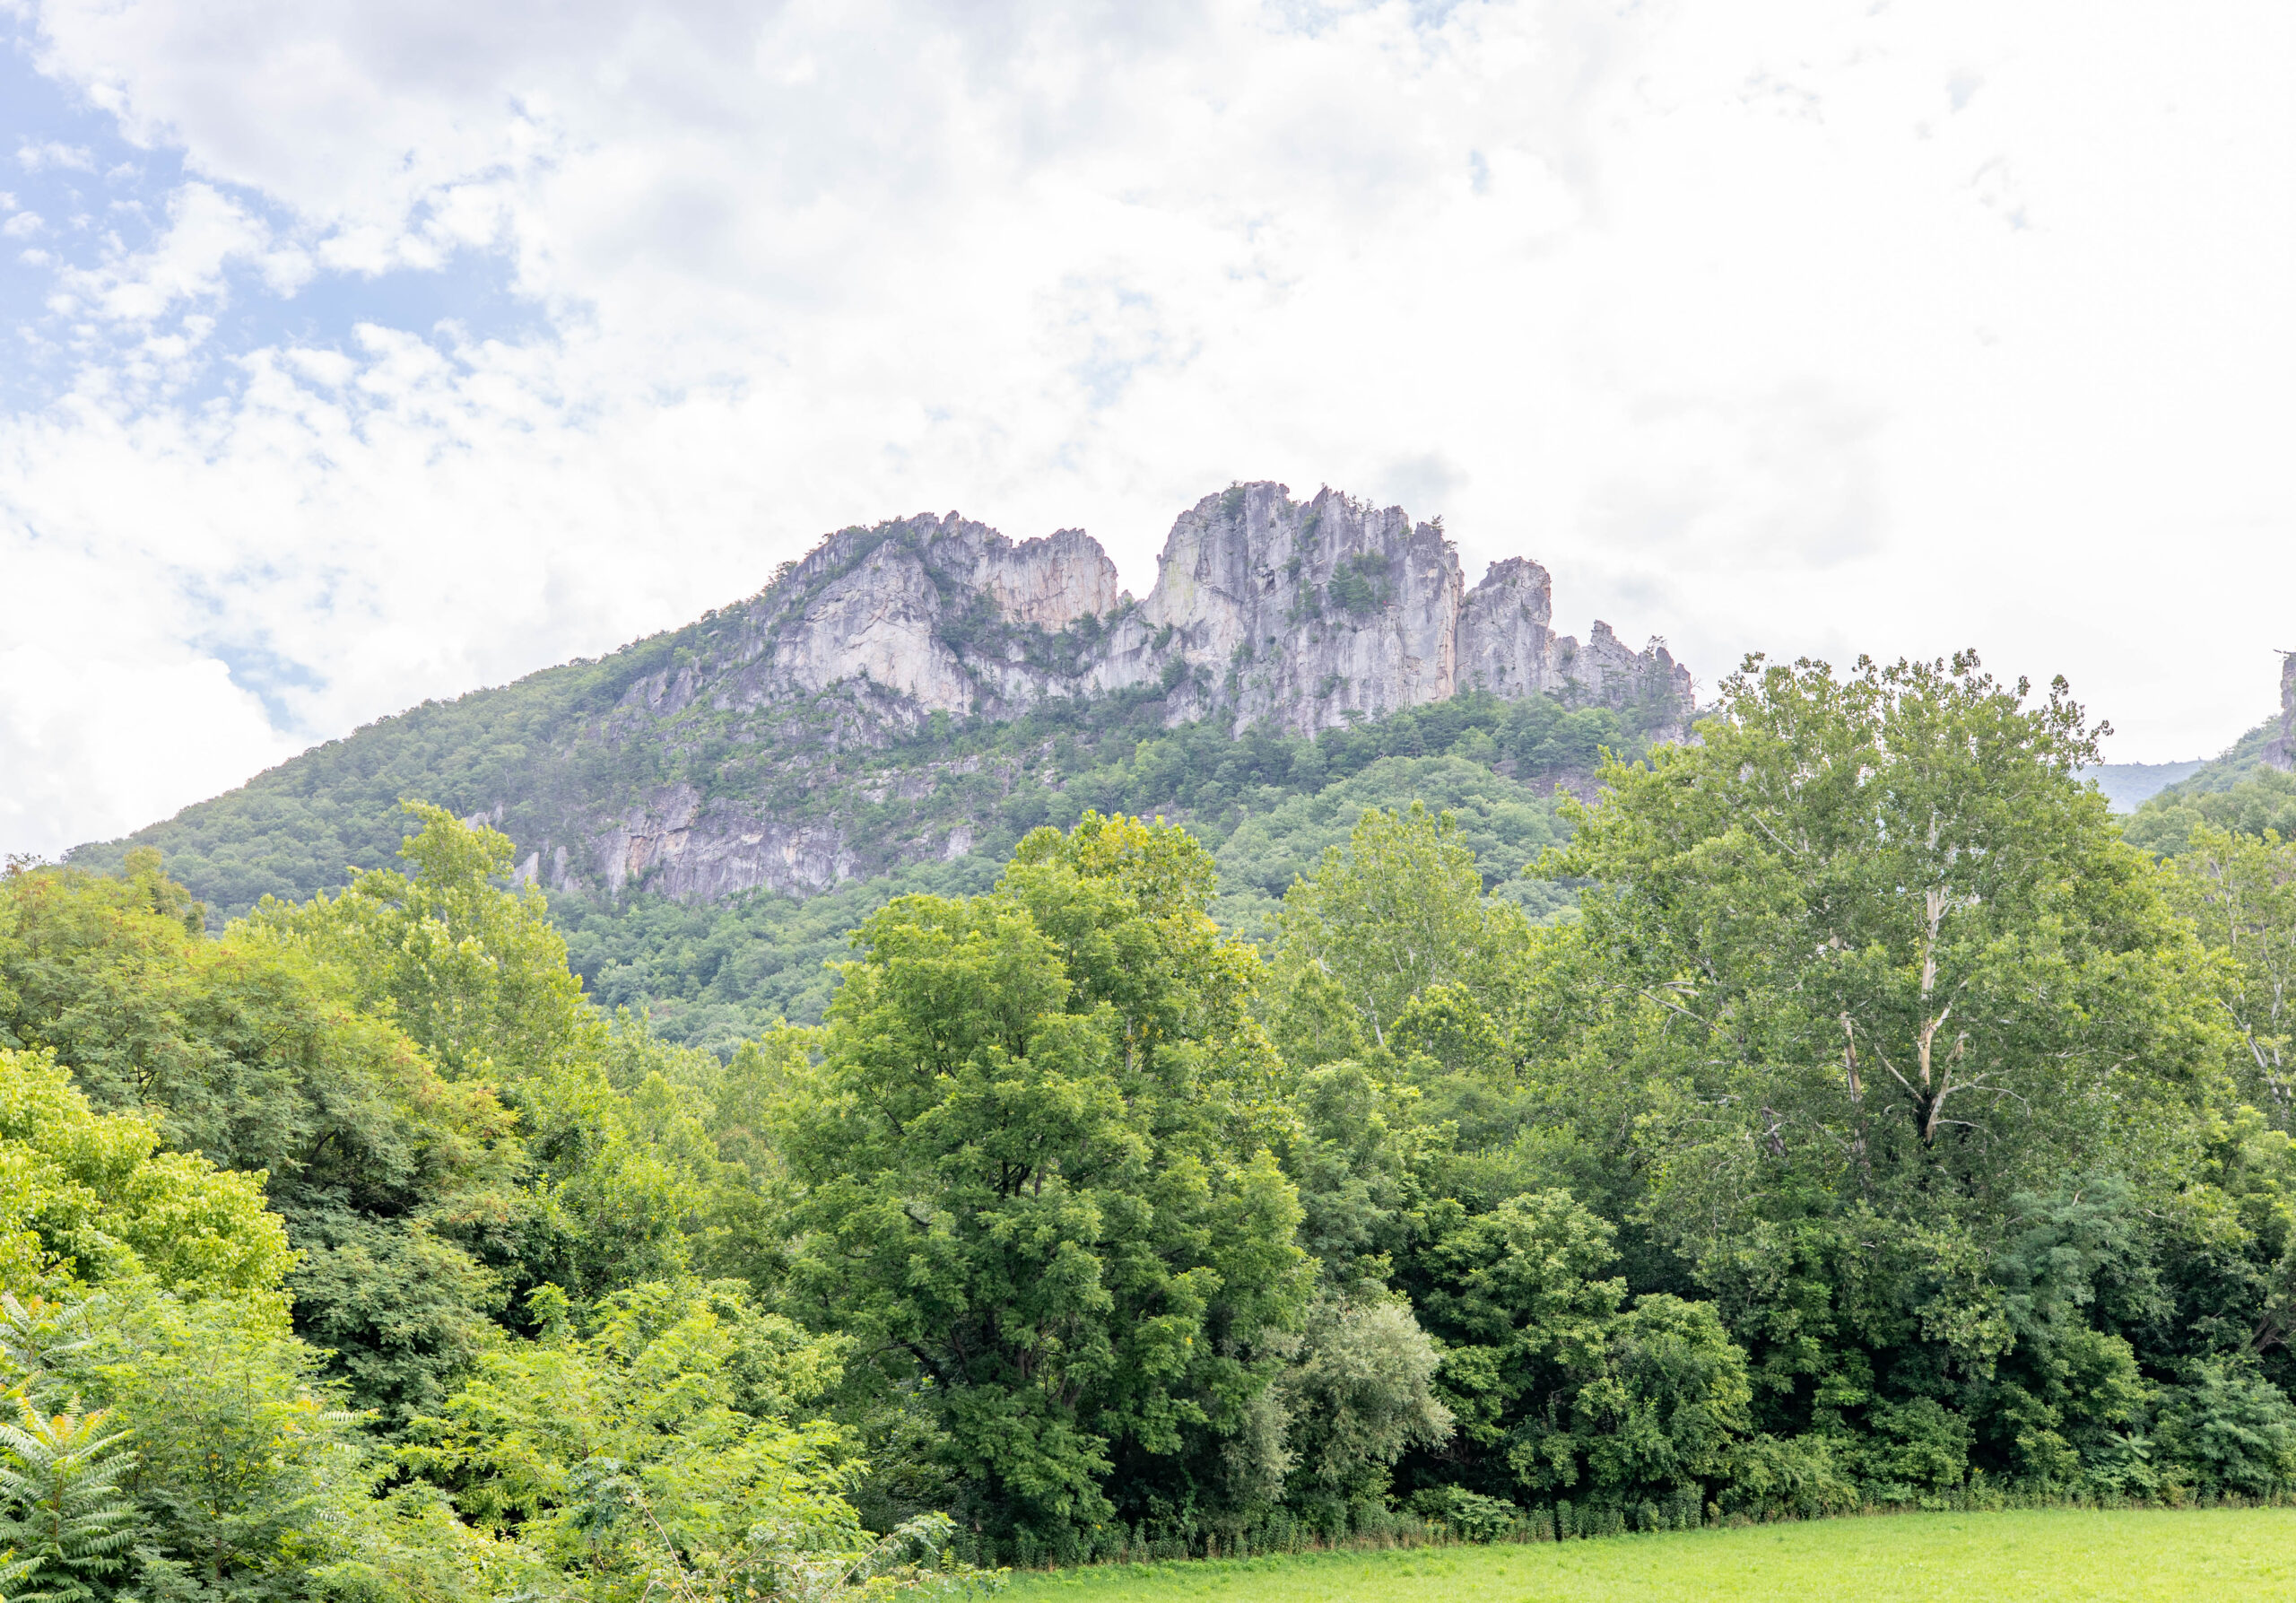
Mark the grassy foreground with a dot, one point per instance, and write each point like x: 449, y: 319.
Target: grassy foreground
x: 2058, y: 1554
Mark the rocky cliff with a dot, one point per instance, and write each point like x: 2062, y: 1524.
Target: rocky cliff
x: 1298, y: 615
x: 907, y: 692
x: 1295, y: 616
x: 2282, y: 753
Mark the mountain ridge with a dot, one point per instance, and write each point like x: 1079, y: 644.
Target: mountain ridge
x: 805, y: 736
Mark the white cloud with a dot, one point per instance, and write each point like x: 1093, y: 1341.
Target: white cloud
x: 44, y: 155
x: 1797, y: 327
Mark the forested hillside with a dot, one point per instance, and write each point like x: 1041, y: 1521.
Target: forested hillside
x: 717, y: 972
x: 2248, y: 788
x: 1885, y: 1131
x: 713, y: 808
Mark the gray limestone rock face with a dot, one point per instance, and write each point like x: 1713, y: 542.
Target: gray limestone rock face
x: 879, y: 621
x: 1299, y: 615
x: 1606, y: 670
x: 1505, y: 642
x: 679, y: 845
x: 1295, y: 616
x: 1051, y: 582
x: 2282, y: 753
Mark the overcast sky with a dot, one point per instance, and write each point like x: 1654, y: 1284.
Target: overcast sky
x: 358, y: 353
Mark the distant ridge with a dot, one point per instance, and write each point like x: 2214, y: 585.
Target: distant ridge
x: 2126, y: 784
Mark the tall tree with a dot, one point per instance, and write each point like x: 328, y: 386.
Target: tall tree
x: 1400, y: 911
x: 475, y: 973
x: 1034, y: 1186
x: 247, y: 1048
x: 1855, y: 971
x: 2240, y: 891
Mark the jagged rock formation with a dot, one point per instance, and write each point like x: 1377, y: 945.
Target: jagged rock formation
x: 2282, y: 753
x: 1298, y: 614
x: 776, y: 742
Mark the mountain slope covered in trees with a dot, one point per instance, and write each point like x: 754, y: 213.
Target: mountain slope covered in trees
x: 2250, y: 788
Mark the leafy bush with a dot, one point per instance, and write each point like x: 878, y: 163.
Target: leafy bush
x: 1470, y: 1515
x: 2228, y: 1429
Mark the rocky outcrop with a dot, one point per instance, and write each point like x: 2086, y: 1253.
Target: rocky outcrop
x: 1051, y: 582
x: 2282, y: 753
x: 1506, y: 644
x: 1296, y: 616
x: 1507, y: 647
x: 879, y: 621
x: 1299, y: 615
x: 924, y: 691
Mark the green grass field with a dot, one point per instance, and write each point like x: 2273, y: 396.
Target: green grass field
x: 1935, y: 1558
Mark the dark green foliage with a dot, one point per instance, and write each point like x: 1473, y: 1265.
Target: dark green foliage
x: 714, y: 976
x: 244, y: 1048
x: 1358, y: 586
x: 1268, y: 805
x: 402, y: 1309
x: 2229, y: 1429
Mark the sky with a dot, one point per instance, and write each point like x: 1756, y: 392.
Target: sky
x: 358, y: 354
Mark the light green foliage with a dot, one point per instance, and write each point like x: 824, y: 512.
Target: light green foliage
x: 1125, y: 906
x: 2056, y: 1556
x: 240, y: 1046
x: 1661, y: 1412
x: 2225, y: 1255
x: 228, y: 1474
x: 240, y: 1460
x: 1398, y: 911
x: 2240, y: 891
x: 1035, y: 1183
x: 90, y: 1195
x: 475, y: 975
x: 631, y: 1182
x: 626, y: 1181
x: 1354, y: 1159
x: 1874, y: 961
x: 1505, y: 822
x: 656, y: 1437
x: 2261, y: 800
x: 248, y: 1049
x: 1358, y: 1396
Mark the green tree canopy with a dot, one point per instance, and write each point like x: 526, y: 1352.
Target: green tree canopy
x: 89, y: 1197
x: 477, y: 975
x: 1853, y: 974
x: 1033, y: 1184
x: 1399, y: 912
x: 2240, y: 891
